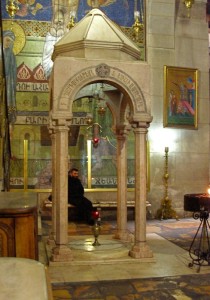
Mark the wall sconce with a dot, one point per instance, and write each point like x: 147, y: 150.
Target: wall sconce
x: 12, y: 8
x: 188, y: 4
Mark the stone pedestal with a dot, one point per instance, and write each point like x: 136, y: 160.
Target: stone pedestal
x: 124, y: 236
x: 61, y: 253
x: 141, y: 250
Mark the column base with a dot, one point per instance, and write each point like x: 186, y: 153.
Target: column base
x: 124, y: 236
x: 51, y: 239
x: 141, y: 250
x: 61, y: 254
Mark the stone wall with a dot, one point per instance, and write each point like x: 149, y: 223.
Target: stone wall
x: 173, y: 39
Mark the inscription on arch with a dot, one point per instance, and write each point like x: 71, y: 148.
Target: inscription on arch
x: 106, y: 72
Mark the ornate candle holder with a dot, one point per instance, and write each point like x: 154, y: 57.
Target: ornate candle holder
x: 96, y: 229
x: 166, y: 211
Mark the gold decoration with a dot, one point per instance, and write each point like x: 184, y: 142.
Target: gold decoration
x: 20, y: 38
x: 101, y: 110
x: 188, y: 4
x: 37, y: 7
x: 71, y: 23
x: 12, y: 8
x: 137, y: 28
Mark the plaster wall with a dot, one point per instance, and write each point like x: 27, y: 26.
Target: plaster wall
x: 173, y: 39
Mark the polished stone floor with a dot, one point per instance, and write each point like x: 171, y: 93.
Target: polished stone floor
x: 107, y: 272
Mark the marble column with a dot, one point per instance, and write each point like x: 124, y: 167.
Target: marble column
x: 51, y: 239
x: 121, y: 187
x: 140, y: 248
x: 61, y: 252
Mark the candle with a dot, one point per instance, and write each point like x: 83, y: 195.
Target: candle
x: 166, y: 149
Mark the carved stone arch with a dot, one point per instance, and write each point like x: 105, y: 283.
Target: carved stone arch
x: 100, y: 73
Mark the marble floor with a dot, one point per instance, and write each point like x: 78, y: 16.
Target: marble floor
x: 110, y: 262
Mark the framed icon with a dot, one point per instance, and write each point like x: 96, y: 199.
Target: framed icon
x: 180, y: 97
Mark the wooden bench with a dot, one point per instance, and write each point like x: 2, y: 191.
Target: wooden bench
x: 103, y: 207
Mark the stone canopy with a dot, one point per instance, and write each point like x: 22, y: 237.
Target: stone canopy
x: 96, y: 37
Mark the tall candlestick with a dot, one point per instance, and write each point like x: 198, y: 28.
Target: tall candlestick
x: 166, y: 211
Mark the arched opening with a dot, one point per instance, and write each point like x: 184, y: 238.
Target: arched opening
x: 126, y: 109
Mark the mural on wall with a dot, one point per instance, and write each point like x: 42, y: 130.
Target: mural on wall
x: 120, y: 11
x: 29, y: 41
x: 4, y: 126
x: 13, y: 42
x: 30, y: 10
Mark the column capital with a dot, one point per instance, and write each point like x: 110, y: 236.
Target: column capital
x: 59, y: 121
x: 140, y: 130
x: 140, y: 125
x: 59, y: 127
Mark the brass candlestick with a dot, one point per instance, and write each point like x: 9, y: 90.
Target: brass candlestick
x: 96, y: 231
x: 166, y: 211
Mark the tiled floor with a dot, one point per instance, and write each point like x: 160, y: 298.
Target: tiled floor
x: 162, y: 288
x: 109, y: 273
